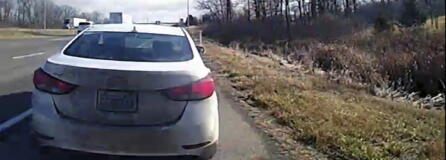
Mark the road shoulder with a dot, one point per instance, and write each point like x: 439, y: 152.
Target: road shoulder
x: 259, y: 144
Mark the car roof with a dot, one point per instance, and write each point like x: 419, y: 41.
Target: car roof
x: 140, y: 28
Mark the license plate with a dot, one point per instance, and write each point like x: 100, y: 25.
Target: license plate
x: 117, y: 101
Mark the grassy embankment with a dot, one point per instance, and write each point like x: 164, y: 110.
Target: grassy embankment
x: 343, y: 121
x: 403, y: 60
x: 14, y: 33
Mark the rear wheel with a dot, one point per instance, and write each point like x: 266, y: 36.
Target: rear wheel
x: 209, y: 152
x: 44, y: 152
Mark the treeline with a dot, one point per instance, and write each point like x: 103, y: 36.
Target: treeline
x: 33, y: 13
x: 222, y: 10
x: 405, y: 12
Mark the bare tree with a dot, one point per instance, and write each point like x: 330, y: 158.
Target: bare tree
x: 287, y: 18
x: 221, y: 10
x: 249, y: 10
x: 213, y: 7
x: 5, y: 10
x: 228, y: 10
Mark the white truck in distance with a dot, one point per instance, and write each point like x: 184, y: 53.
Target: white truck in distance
x: 84, y: 25
x: 120, y: 18
x: 73, y: 23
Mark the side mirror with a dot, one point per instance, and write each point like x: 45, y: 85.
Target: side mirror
x: 201, y: 49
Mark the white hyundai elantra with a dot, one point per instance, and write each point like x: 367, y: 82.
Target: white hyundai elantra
x: 138, y: 90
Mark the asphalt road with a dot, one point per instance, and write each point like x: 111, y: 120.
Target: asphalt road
x: 19, y: 58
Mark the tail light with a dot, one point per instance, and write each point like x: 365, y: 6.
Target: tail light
x: 46, y: 83
x: 199, y: 90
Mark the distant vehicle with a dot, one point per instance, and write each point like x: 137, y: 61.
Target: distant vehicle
x: 129, y: 90
x: 73, y: 23
x: 84, y: 25
x: 120, y: 18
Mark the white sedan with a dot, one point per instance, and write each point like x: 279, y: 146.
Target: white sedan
x: 131, y: 90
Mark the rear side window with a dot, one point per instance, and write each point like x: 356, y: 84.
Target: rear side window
x: 123, y: 46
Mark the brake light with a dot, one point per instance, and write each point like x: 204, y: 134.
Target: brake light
x: 199, y: 90
x: 46, y: 83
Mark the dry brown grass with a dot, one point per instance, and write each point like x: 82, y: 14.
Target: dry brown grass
x: 408, y: 60
x: 415, y: 57
x: 341, y: 121
x: 14, y: 33
x: 435, y: 25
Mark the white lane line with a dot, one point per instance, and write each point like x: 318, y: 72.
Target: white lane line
x: 28, y: 55
x: 11, y: 122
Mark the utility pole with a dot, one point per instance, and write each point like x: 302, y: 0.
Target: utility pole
x: 44, y: 14
x: 187, y: 19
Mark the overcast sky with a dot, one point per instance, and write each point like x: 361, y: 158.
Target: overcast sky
x: 141, y: 10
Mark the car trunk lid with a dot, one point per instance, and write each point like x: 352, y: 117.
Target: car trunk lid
x: 114, y: 93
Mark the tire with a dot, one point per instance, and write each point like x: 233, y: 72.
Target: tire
x: 209, y: 152
x: 45, y: 153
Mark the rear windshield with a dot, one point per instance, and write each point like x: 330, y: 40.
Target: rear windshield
x: 140, y: 47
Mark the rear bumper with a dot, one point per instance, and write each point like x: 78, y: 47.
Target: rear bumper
x: 194, y: 134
